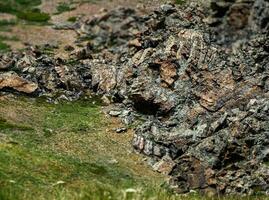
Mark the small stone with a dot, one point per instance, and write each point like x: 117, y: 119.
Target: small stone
x: 148, y: 148
x: 165, y: 165
x: 113, y: 161
x: 69, y: 48
x: 135, y: 43
x: 5, y: 62
x: 114, y: 113
x: 105, y: 99
x: 31, y: 69
x: 158, y: 150
x: 48, y: 130
x: 58, y: 183
x: 211, y: 21
x: 121, y: 130
x: 168, y: 8
x: 63, y: 97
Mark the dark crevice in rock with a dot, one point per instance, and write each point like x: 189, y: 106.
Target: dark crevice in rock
x: 145, y: 107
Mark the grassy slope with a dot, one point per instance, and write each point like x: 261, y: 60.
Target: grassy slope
x: 65, y: 151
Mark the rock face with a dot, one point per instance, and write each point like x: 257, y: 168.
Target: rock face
x: 199, y: 80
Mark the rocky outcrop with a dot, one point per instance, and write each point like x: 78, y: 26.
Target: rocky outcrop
x: 198, y: 79
x: 196, y: 82
x: 49, y: 76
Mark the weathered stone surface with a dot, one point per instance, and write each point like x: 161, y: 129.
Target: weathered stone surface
x: 103, y: 77
x: 168, y: 73
x: 5, y: 62
x: 13, y: 81
x: 114, y: 113
x: 259, y: 15
x: 164, y: 166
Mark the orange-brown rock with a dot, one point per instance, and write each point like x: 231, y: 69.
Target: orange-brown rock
x: 165, y: 165
x: 12, y: 80
x: 168, y: 72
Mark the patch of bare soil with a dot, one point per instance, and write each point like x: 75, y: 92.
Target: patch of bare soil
x: 38, y: 35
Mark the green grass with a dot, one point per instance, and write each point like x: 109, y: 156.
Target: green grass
x: 7, y: 38
x: 60, y: 152
x: 5, y: 25
x: 24, y: 9
x: 14, y: 6
x: 5, y: 125
x: 180, y: 2
x: 5, y: 28
x: 4, y: 47
x: 83, y: 1
x: 64, y: 7
x: 33, y: 16
x: 47, y: 174
x: 72, y: 19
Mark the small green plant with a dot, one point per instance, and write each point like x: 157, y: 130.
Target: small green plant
x: 4, y: 124
x: 72, y: 19
x: 7, y: 23
x: 180, y: 2
x: 15, y: 6
x: 5, y: 26
x: 63, y: 7
x: 7, y: 38
x: 33, y: 16
x: 27, y: 3
x: 24, y: 9
x: 4, y: 47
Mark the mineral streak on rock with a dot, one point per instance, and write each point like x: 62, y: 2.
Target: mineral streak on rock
x: 198, y: 79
